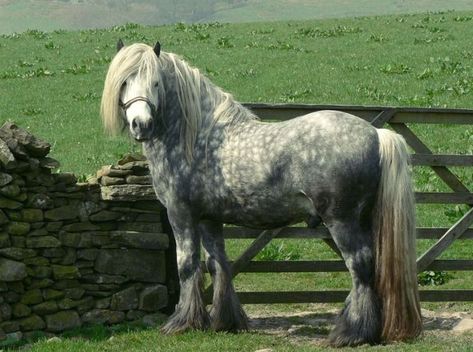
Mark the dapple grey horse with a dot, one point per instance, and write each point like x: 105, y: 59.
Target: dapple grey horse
x: 213, y: 161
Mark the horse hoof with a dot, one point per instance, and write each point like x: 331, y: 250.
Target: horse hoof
x: 342, y: 338
x: 345, y: 341
x: 177, y: 326
x: 233, y: 322
x: 171, y: 329
x: 233, y: 327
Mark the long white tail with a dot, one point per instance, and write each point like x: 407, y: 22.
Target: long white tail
x: 395, y: 241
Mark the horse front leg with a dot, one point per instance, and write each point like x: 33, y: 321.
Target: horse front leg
x: 226, y: 313
x: 190, y: 313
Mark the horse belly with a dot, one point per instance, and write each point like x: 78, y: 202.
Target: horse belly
x: 269, y: 213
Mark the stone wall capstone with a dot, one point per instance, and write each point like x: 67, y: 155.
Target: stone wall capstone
x: 76, y: 253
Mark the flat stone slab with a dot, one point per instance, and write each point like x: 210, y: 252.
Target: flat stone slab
x: 128, y: 193
x: 144, y: 240
x: 103, y: 316
x: 130, y: 157
x: 49, y: 163
x: 153, y: 320
x: 125, y: 300
x: 153, y: 298
x: 5, y: 179
x: 134, y: 264
x: 6, y: 203
x: 109, y: 170
x: 136, y: 166
x: 112, y: 181
x: 42, y: 242
x: 35, y: 146
x: 6, y: 156
x: 33, y: 322
x: 63, y: 321
x: 11, y: 270
x: 17, y: 253
x: 67, y: 212
x: 3, y: 218
x: 140, y: 180
x: 62, y: 272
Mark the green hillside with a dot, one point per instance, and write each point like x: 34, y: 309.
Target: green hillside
x: 263, y: 10
x: 52, y: 82
x: 20, y: 15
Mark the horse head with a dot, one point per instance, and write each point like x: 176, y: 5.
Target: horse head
x: 138, y: 92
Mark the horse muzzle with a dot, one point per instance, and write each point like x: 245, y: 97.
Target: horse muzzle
x: 141, y: 130
x: 141, y: 126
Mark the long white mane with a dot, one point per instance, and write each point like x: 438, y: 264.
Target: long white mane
x: 192, y: 87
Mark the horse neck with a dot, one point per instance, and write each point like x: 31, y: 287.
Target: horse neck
x: 216, y: 108
x: 219, y: 107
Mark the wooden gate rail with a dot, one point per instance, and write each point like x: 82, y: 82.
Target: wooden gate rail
x: 321, y: 266
x: 396, y: 118
x: 426, y: 233
x: 280, y: 112
x: 336, y: 296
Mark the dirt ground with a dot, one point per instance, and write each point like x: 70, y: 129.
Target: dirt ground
x: 313, y: 328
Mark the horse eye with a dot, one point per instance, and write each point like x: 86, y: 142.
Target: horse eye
x: 156, y: 84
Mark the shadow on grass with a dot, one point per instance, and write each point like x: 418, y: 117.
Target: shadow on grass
x: 440, y: 323
x: 313, y: 325
x: 308, y: 325
x: 319, y: 325
x: 94, y: 333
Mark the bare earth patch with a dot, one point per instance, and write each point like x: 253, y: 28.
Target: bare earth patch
x: 313, y: 328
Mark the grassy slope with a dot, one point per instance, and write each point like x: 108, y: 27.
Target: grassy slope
x: 51, y: 83
x: 20, y: 15
x: 261, y: 10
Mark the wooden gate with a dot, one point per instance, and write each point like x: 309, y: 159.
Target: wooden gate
x: 398, y: 119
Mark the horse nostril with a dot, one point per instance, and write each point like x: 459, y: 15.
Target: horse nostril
x: 133, y: 124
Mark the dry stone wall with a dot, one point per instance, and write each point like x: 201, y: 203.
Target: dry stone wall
x: 75, y: 253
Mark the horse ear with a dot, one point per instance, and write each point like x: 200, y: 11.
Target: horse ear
x: 120, y: 45
x: 157, y: 49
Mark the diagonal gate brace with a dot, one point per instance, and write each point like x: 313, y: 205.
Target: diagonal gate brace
x: 419, y: 147
x: 258, y: 244
x: 445, y: 241
x: 261, y: 241
x: 383, y: 117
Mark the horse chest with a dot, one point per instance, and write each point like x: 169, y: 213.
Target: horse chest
x: 164, y: 183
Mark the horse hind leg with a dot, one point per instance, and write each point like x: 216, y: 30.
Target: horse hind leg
x: 360, y: 320
x: 226, y: 313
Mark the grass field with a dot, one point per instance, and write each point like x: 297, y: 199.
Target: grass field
x: 135, y: 340
x: 51, y: 84
x: 20, y: 15
x: 263, y: 10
